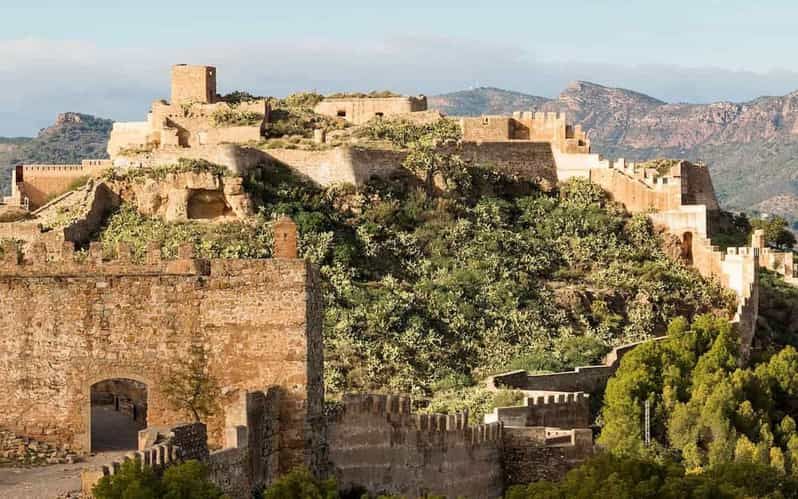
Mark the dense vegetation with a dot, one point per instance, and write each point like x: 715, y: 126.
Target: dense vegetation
x: 428, y: 289
x: 632, y: 478
x: 706, y: 410
x: 188, y: 480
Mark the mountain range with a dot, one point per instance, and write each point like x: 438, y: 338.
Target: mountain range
x: 751, y: 148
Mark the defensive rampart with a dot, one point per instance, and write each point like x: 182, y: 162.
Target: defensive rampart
x: 551, y: 128
x: 377, y: 444
x: 34, y: 185
x: 72, y: 320
x: 359, y: 110
x: 571, y: 410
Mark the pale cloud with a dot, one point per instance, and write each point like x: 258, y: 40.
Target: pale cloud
x: 40, y: 78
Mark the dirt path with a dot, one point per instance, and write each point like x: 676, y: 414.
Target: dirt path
x: 110, y: 430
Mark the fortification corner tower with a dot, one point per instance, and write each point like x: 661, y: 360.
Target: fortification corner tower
x: 193, y: 84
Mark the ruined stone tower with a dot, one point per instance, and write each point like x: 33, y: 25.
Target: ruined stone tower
x: 193, y: 84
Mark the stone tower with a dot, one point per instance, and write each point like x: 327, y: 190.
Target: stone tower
x: 193, y: 84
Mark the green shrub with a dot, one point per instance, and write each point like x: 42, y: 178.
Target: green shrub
x: 225, y: 117
x: 375, y: 94
x: 610, y: 476
x: 187, y: 480
x: 299, y: 483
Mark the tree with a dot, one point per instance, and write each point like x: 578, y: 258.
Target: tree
x: 187, y: 480
x: 190, y: 387
x: 300, y: 483
x: 776, y: 231
x: 427, y: 161
x: 131, y: 482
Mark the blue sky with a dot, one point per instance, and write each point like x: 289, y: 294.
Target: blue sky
x: 109, y: 60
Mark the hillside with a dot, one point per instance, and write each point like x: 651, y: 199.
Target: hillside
x: 750, y: 147
x: 71, y: 138
x: 484, y: 100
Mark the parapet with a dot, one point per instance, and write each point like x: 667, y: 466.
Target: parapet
x: 39, y: 261
x: 397, y: 410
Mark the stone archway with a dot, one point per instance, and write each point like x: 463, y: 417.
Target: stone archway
x: 116, y: 411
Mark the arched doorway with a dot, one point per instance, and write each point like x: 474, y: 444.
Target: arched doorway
x: 118, y: 413
x: 687, y: 247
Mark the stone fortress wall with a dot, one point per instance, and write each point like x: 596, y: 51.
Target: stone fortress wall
x: 34, y: 185
x: 377, y: 443
x: 261, y: 320
x: 188, y: 119
x: 360, y: 110
x: 68, y: 324
x: 550, y: 128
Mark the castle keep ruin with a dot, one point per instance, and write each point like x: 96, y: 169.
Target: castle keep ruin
x: 196, y: 116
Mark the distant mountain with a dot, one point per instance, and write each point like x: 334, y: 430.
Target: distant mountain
x: 71, y: 138
x: 484, y: 100
x: 751, y: 148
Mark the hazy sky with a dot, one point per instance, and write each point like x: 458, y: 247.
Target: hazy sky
x: 95, y: 57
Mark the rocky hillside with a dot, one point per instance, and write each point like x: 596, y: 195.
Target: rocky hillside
x: 485, y: 100
x: 71, y: 138
x: 750, y: 147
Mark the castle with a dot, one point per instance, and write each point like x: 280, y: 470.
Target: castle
x: 79, y: 328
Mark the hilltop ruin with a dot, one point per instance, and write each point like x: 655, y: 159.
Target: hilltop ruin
x: 82, y: 327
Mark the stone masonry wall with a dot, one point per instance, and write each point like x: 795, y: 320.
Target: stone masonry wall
x: 350, y: 165
x: 377, y: 445
x: 67, y: 324
x: 533, y: 160
x: 42, y: 182
x: 570, y: 410
x: 363, y: 110
x: 528, y: 457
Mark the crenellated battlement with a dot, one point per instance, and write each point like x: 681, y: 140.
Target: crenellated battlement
x: 39, y: 261
x: 397, y: 410
x: 415, y: 454
x: 562, y: 410
x: 558, y: 399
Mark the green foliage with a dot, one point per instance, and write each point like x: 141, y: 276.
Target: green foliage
x: 422, y: 287
x: 703, y: 405
x: 778, y: 313
x: 239, y: 96
x: 425, y: 290
x: 224, y: 240
x: 403, y: 133
x: 294, y: 116
x: 374, y: 94
x: 230, y: 116
x: 299, y: 483
x: 189, y: 480
x: 607, y: 475
x: 734, y: 231
x: 183, y: 165
x: 477, y: 400
x: 302, y: 100
x: 777, y: 231
x: 183, y: 481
